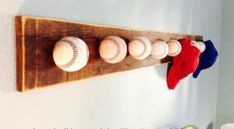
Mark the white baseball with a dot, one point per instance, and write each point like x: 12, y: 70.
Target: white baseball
x: 113, y: 49
x: 174, y: 47
x: 228, y: 126
x: 202, y: 46
x: 140, y: 48
x: 189, y: 127
x: 195, y: 43
x: 71, y: 54
x: 159, y: 50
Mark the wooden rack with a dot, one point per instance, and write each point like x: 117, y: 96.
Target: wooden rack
x: 36, y: 37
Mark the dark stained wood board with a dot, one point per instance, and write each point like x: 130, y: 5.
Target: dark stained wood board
x: 36, y: 37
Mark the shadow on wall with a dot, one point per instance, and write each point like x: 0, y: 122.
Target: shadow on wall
x: 210, y: 126
x: 8, y: 10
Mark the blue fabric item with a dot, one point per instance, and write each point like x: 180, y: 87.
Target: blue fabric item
x: 207, y: 58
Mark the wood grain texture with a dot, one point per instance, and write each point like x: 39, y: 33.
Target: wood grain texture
x: 36, y: 37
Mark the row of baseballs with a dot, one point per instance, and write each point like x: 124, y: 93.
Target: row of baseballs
x: 71, y: 53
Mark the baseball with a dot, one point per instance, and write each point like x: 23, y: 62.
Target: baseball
x: 159, y: 50
x: 195, y: 43
x: 174, y: 47
x: 71, y: 54
x: 140, y: 48
x: 113, y: 49
x: 190, y: 127
x: 202, y: 46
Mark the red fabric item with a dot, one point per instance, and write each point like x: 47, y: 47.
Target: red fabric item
x: 183, y: 64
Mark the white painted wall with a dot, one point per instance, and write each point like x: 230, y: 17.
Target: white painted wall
x: 225, y: 110
x: 134, y: 99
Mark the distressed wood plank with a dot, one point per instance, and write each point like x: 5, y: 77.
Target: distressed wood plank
x: 36, y: 37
